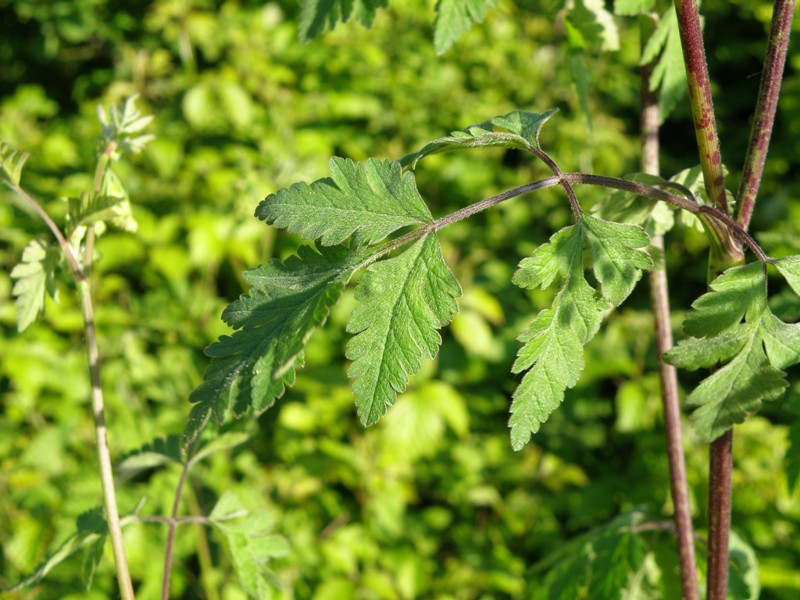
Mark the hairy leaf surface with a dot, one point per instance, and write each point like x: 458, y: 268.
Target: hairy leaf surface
x: 552, y: 354
x: 404, y: 300
x: 250, y: 368
x: 369, y: 200
x: 522, y: 133
x: 732, y: 326
x: 454, y: 18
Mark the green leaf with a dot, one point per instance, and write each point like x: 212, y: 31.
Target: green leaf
x: 669, y: 74
x: 732, y: 325
x: 591, y: 27
x: 11, y: 162
x: 743, y: 569
x: 251, y: 368
x: 522, y: 134
x: 789, y: 267
x: 454, y: 18
x: 92, y: 208
x: 250, y: 544
x: 319, y: 16
x: 552, y: 354
x: 161, y: 451
x: 618, y: 258
x: 402, y: 302
x: 576, y: 66
x: 791, y: 459
x: 630, y: 8
x: 122, y: 122
x: 35, y: 278
x: 369, y: 199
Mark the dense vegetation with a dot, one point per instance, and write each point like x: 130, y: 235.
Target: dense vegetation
x: 432, y: 501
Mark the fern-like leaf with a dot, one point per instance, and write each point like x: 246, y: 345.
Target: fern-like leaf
x: 732, y: 327
x: 11, y: 163
x: 35, y: 279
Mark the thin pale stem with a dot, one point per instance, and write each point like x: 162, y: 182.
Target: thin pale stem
x: 101, y: 431
x: 766, y: 106
x: 668, y: 376
x: 173, y: 525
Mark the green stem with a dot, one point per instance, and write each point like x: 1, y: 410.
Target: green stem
x: 668, y: 376
x: 766, y: 106
x: 171, y: 528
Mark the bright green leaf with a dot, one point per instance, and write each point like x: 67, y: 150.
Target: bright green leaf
x: 92, y: 208
x: 789, y: 267
x: 669, y: 74
x: 454, y: 18
x: 753, y: 351
x: 11, y: 162
x: 369, y: 199
x: 35, y: 278
x: 403, y: 301
x: 523, y: 134
x: 630, y: 8
x: 591, y: 27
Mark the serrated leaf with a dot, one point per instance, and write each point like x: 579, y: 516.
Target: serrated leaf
x: 403, y: 301
x: 319, y: 16
x: 552, y: 354
x: 35, y: 278
x: 618, y: 256
x: 11, y: 162
x: 251, y: 368
x: 161, y: 451
x: 369, y: 200
x: 523, y: 134
x: 454, y: 18
x: 669, y: 74
x: 755, y: 349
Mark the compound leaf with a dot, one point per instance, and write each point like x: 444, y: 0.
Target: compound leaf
x: 91, y: 208
x: 552, y: 354
x: 732, y: 326
x: 454, y: 18
x: 522, y: 133
x: 369, y: 199
x: 404, y: 300
x: 319, y: 16
x: 274, y: 320
x: 35, y: 278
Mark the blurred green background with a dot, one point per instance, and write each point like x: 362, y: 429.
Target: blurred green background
x: 432, y: 502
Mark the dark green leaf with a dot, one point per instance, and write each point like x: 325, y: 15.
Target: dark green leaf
x: 319, y: 16
x: 454, y: 18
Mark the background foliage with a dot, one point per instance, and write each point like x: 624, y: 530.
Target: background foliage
x: 432, y: 501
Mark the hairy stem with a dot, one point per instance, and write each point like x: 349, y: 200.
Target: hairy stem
x: 766, y: 106
x: 173, y: 525
x: 719, y: 515
x: 551, y: 164
x: 101, y: 431
x: 668, y: 377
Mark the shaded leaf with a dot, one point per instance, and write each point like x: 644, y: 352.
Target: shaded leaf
x: 250, y: 368
x: 522, y: 134
x: 319, y: 16
x: 35, y: 278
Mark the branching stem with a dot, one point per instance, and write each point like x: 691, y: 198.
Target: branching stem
x: 173, y: 522
x: 766, y: 106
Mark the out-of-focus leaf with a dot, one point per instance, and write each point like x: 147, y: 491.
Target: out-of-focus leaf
x: 454, y: 18
x: 35, y: 279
